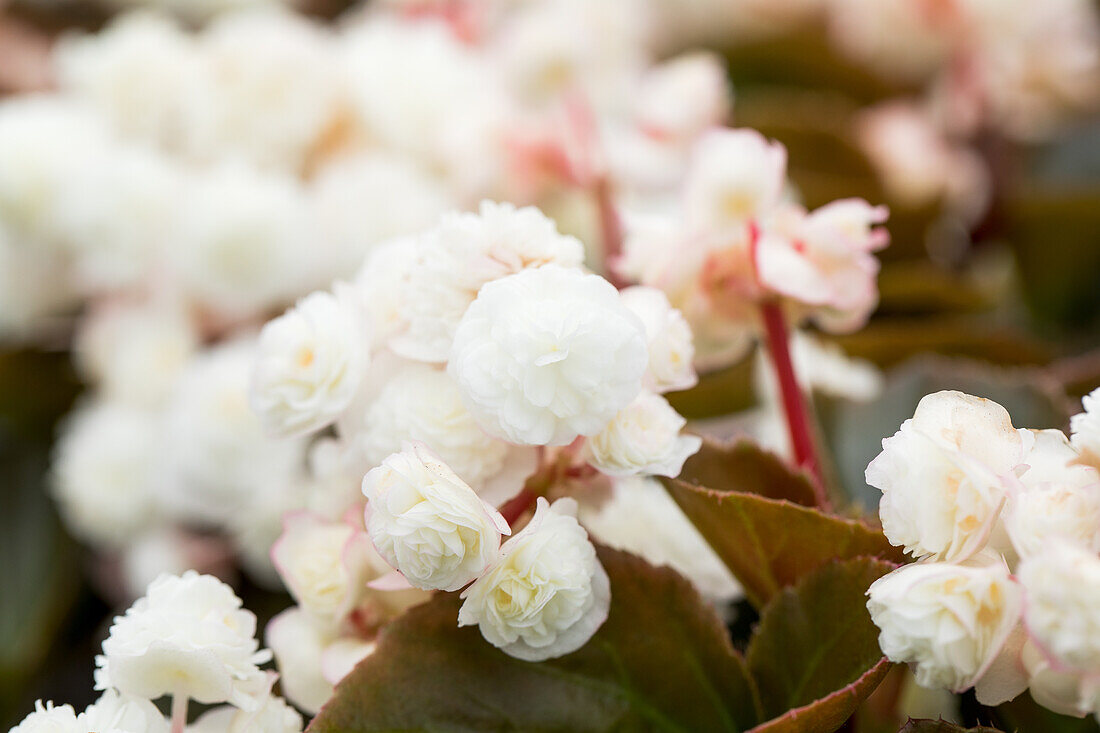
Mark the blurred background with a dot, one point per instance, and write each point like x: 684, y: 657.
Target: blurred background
x: 174, y: 172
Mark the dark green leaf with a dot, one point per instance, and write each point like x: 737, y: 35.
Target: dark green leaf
x: 662, y: 661
x: 769, y: 544
x: 744, y: 466
x: 815, y: 639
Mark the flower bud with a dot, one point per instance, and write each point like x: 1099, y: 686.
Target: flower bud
x: 644, y: 438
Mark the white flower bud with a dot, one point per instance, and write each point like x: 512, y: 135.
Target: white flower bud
x: 1085, y: 427
x: 310, y: 362
x: 548, y: 354
x: 949, y: 622
x: 735, y: 176
x: 325, y: 565
x: 428, y: 523
x: 547, y: 594
x: 644, y: 438
x: 668, y: 337
x: 1063, y: 604
x: 945, y: 474
x: 1057, y: 500
x: 187, y: 636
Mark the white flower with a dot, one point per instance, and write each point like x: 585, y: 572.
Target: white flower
x: 424, y: 404
x: 1085, y: 429
x: 463, y: 253
x: 187, y: 636
x: 945, y: 474
x: 218, y: 458
x: 427, y: 523
x: 1063, y: 604
x: 311, y: 658
x: 325, y: 564
x: 949, y: 622
x: 382, y: 283
x: 115, y: 713
x: 682, y: 97
x: 310, y: 362
x: 671, y: 351
x: 735, y: 176
x: 105, y: 470
x: 547, y: 594
x: 642, y: 518
x: 273, y: 716
x: 1062, y: 690
x: 1059, y: 500
x: 548, y: 354
x: 49, y: 719
x: 644, y: 438
x: 135, y: 351
x: 34, y: 285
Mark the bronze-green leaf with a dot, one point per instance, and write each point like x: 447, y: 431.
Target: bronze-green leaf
x: 745, y: 466
x: 941, y: 726
x: 815, y: 652
x: 769, y: 544
x: 662, y: 661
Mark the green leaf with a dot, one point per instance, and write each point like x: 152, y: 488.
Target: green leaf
x: 745, y: 466
x: 662, y: 661
x: 815, y: 652
x: 941, y: 726
x: 769, y: 544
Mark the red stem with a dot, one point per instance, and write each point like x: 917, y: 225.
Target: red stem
x: 611, y: 230
x: 514, y: 508
x: 794, y: 403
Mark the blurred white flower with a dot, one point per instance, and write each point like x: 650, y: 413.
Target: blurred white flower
x: 548, y: 354
x: 949, y: 622
x: 48, y: 718
x: 735, y: 176
x: 423, y: 404
x: 115, y: 713
x: 381, y: 286
x: 187, y: 636
x: 643, y: 438
x: 428, y: 523
x: 668, y: 336
x: 218, y: 459
x: 1058, y: 501
x: 273, y: 716
x: 105, y: 471
x: 309, y: 364
x: 1085, y: 429
x: 325, y: 564
x: 547, y: 594
x: 134, y: 351
x: 945, y: 474
x: 463, y: 253
x: 682, y: 97
x: 1062, y: 611
x: 642, y: 518
x: 34, y: 286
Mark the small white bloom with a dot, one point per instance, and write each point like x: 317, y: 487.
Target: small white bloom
x: 949, y: 622
x: 547, y: 593
x: 671, y: 350
x: 135, y: 351
x: 49, y: 718
x: 642, y: 518
x: 325, y: 564
x: 1062, y: 690
x: 548, y: 354
x: 428, y: 523
x: 115, y: 713
x: 1085, y: 428
x: 310, y: 362
x: 104, y: 472
x: 945, y: 474
x: 1063, y: 604
x: 463, y: 253
x: 682, y: 97
x: 423, y: 404
x: 273, y: 716
x: 644, y: 438
x: 187, y: 636
x: 1058, y: 500
x: 735, y: 176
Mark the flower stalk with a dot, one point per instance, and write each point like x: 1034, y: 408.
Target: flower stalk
x: 179, y: 712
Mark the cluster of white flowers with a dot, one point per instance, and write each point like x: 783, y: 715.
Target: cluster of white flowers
x: 495, y: 348
x: 733, y: 240
x: 1005, y: 525
x: 188, y: 637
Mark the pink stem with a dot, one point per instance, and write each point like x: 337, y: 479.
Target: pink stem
x: 611, y: 230
x: 794, y: 404
x: 179, y: 712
